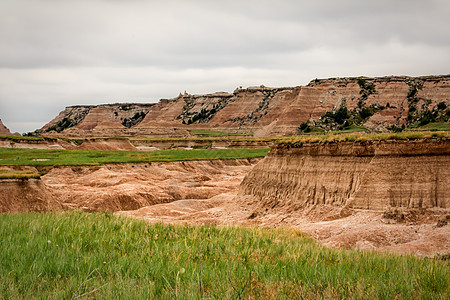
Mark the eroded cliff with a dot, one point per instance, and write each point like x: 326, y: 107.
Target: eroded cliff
x: 376, y: 103
x: 373, y: 175
x: 107, y: 119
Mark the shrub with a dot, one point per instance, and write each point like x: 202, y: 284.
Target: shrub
x: 441, y: 105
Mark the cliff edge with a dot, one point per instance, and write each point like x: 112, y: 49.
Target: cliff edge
x: 374, y: 175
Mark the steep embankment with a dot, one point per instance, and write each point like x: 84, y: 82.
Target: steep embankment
x: 376, y: 103
x: 368, y: 175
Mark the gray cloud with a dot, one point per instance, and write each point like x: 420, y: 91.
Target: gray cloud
x: 58, y: 53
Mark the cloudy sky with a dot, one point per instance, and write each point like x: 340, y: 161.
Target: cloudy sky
x: 56, y: 53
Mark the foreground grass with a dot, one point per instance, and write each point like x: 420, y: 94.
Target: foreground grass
x: 36, y: 157
x: 66, y: 255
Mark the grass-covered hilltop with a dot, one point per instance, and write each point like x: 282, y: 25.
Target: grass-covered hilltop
x: 102, y: 256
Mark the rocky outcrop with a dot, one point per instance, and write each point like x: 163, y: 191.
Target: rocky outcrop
x: 370, y: 175
x: 376, y: 103
x: 3, y: 129
x: 107, y: 119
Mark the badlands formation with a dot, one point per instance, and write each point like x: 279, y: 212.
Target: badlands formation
x: 388, y: 195
x: 376, y: 103
x: 374, y: 195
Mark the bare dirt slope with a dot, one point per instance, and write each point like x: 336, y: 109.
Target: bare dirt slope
x: 26, y: 196
x: 132, y: 186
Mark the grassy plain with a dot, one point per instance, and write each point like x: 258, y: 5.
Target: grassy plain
x: 38, y: 157
x: 70, y: 254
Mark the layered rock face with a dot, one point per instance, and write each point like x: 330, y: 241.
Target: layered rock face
x: 101, y: 120
x: 374, y: 176
x: 3, y: 129
x: 376, y: 103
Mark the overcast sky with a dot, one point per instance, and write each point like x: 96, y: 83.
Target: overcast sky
x: 55, y: 53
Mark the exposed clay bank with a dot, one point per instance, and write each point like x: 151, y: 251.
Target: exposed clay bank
x: 369, y: 175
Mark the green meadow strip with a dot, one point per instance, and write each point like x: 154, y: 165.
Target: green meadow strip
x: 69, y: 255
x: 39, y: 157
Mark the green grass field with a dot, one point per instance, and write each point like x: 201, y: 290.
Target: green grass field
x: 71, y: 254
x: 37, y: 157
